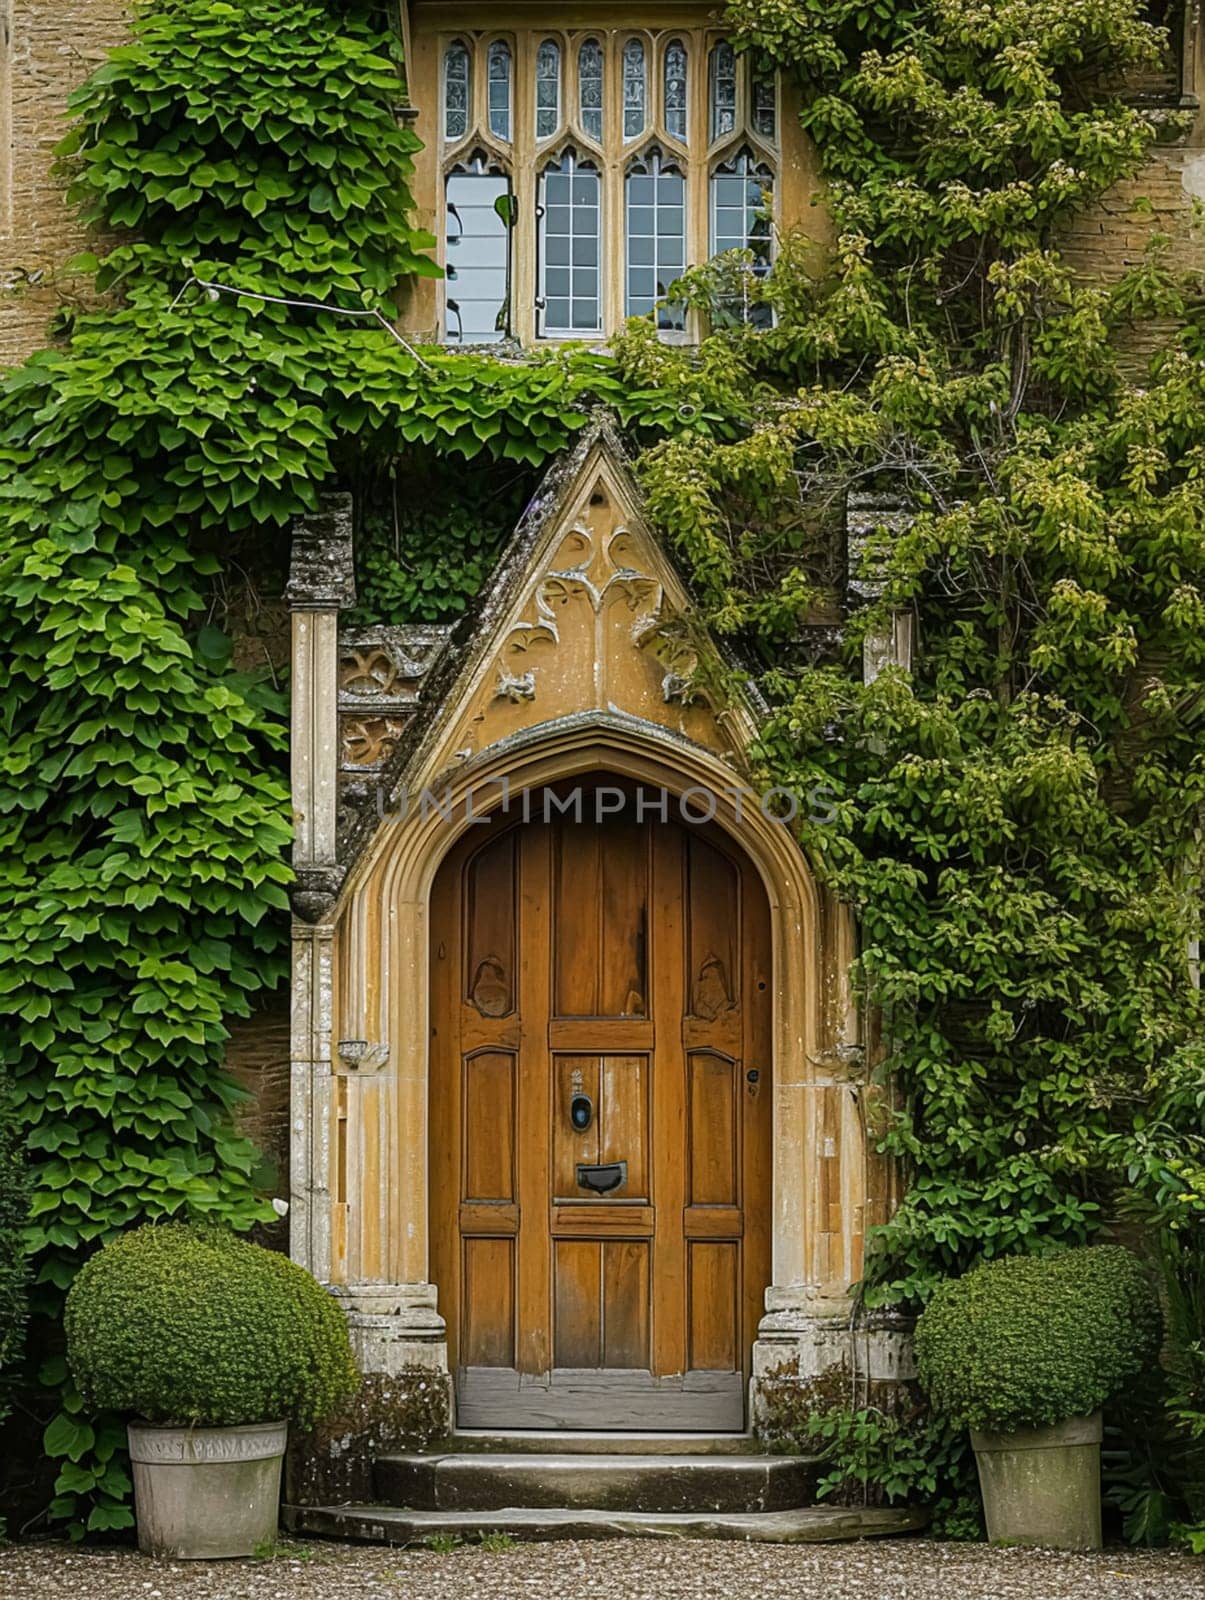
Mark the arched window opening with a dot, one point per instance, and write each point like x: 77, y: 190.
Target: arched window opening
x: 742, y: 197
x: 570, y: 301
x: 655, y: 196
x: 477, y: 240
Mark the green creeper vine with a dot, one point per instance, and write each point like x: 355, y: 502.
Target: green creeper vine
x: 1018, y: 817
x: 144, y: 808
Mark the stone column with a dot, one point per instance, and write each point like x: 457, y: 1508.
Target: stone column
x: 826, y: 1184
x: 321, y: 583
x: 345, y: 1090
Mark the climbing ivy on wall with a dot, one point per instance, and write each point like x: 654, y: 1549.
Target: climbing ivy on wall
x: 144, y: 813
x: 1017, y: 818
x: 431, y: 533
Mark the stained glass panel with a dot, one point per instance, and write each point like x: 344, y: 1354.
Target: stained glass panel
x: 456, y: 91
x: 499, y: 89
x: 723, y: 90
x: 675, y: 89
x: 635, y: 89
x: 590, y: 88
x: 548, y: 89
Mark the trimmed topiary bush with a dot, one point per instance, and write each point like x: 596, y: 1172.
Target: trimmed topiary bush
x: 196, y: 1326
x: 1028, y: 1341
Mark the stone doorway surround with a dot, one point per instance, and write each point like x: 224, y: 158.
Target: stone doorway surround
x: 583, y: 659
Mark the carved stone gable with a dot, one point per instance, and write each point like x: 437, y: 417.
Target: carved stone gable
x: 600, y: 624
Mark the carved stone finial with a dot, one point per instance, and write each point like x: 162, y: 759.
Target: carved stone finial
x: 322, y: 572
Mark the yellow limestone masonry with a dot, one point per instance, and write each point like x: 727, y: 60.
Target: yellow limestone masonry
x: 47, y: 49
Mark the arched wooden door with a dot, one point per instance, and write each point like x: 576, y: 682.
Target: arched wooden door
x: 600, y: 1114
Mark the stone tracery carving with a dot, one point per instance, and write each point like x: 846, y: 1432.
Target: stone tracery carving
x: 370, y: 741
x: 514, y: 688
x: 599, y: 595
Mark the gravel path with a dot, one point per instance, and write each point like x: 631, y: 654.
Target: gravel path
x: 898, y: 1569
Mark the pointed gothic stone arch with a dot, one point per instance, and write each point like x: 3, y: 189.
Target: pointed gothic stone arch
x: 585, y: 659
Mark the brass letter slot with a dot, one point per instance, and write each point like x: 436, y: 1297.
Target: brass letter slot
x: 602, y: 1179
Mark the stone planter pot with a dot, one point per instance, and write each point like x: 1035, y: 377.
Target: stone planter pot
x: 200, y: 1493
x: 1041, y: 1486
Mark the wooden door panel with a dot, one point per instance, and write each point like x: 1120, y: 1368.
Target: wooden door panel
x: 623, y: 924
x: 577, y: 1303
x: 577, y: 873
x: 488, y: 1329
x: 617, y: 1087
x: 713, y: 898
x: 571, y: 1076
x: 601, y: 919
x: 491, y: 901
x: 625, y: 1299
x: 713, y: 1146
x: 714, y: 1312
x: 624, y: 1121
x: 488, y: 1127
x: 601, y: 1304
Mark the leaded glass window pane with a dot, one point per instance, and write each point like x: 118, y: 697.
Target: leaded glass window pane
x: 456, y: 91
x: 675, y: 89
x: 741, y: 201
x: 570, y: 245
x: 499, y: 89
x: 723, y: 90
x: 656, y: 239
x: 635, y: 89
x: 478, y: 257
x: 765, y: 102
x: 548, y: 89
x: 590, y: 88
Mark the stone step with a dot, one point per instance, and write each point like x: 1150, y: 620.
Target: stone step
x: 476, y: 1481
x: 555, y: 1441
x: 371, y: 1524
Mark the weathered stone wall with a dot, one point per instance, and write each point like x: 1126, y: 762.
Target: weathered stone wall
x: 46, y: 50
x: 1111, y: 236
x: 258, y: 1057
